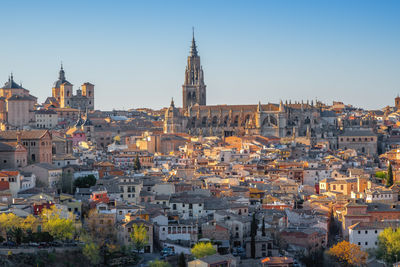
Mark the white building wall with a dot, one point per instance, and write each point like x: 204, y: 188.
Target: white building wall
x: 367, y: 239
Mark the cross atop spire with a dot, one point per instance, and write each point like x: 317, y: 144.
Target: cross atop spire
x: 193, y: 48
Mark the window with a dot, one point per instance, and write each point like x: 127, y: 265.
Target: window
x: 366, y: 243
x: 376, y: 231
x: 366, y: 232
x: 359, y: 232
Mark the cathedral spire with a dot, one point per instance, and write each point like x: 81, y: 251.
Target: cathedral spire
x: 193, y: 48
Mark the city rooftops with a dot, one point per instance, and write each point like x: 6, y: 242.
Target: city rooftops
x: 352, y: 133
x: 375, y: 225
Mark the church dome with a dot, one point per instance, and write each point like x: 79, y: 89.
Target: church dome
x: 10, y: 84
x: 61, y: 79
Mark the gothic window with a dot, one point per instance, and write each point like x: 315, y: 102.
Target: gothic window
x: 265, y: 122
x: 236, y: 120
x: 273, y: 121
x: 246, y: 119
x: 226, y: 120
x: 204, y: 121
x: 214, y: 121
x: 67, y: 93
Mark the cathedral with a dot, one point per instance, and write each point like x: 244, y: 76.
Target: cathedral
x: 279, y: 120
x: 63, y: 97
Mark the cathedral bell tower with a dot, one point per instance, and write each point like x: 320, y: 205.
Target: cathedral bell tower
x: 193, y: 89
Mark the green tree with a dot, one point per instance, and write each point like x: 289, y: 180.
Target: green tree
x: 92, y: 252
x: 136, y: 164
x: 16, y: 234
x: 253, y: 233
x: 202, y: 249
x: 181, y: 260
x: 380, y: 174
x: 56, y: 224
x: 139, y: 236
x: 85, y: 182
x: 389, y: 176
x: 389, y: 245
x: 158, y: 263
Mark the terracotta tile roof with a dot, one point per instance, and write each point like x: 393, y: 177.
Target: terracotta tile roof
x: 8, y: 173
x: 31, y: 134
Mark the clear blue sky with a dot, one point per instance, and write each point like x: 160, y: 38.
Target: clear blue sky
x: 135, y: 51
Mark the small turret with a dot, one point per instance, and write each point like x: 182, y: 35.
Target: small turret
x: 281, y: 107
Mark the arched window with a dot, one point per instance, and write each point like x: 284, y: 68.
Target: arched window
x: 273, y: 120
x: 214, y: 121
x: 226, y: 120
x: 246, y: 119
x: 236, y: 120
x: 204, y: 121
x: 265, y: 122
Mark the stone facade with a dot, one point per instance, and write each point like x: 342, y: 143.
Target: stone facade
x: 363, y: 141
x: 37, y: 142
x: 16, y: 105
x: 46, y: 119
